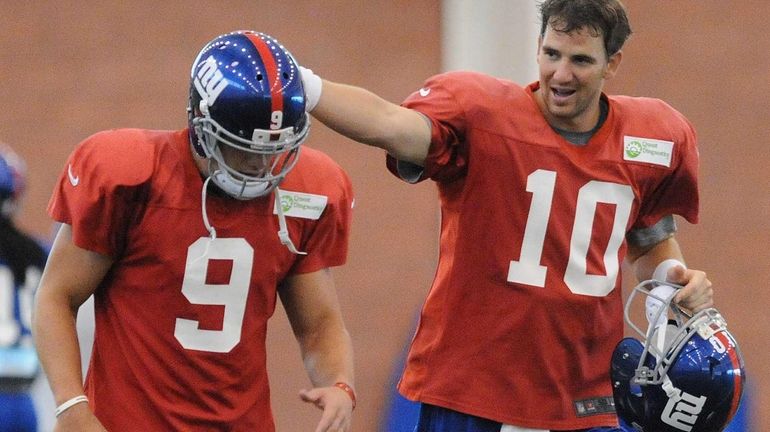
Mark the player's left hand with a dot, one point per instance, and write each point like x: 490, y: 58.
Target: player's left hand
x: 697, y: 293
x: 336, y: 405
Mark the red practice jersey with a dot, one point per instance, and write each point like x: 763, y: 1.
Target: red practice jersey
x: 526, y: 306
x: 181, y: 318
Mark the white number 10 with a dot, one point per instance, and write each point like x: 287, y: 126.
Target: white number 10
x: 528, y: 270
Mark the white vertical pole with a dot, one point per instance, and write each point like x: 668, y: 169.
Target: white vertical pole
x: 498, y: 37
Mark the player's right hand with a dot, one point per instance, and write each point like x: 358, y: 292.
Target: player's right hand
x: 336, y: 405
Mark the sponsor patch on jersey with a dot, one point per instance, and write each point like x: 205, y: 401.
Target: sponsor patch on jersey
x: 599, y: 405
x: 301, y: 205
x: 657, y: 152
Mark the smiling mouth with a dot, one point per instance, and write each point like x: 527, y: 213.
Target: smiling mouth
x: 562, y: 93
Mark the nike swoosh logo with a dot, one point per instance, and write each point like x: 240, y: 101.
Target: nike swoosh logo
x: 73, y: 180
x: 424, y: 92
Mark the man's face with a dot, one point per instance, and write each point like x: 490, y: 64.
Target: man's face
x: 250, y: 164
x: 573, y: 67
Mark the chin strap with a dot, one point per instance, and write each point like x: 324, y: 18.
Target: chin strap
x: 212, y: 231
x: 283, y: 232
x: 668, y: 387
x: 657, y: 315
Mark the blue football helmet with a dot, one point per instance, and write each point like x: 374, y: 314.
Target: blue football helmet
x: 12, y: 180
x: 688, y: 374
x: 247, y: 103
x: 6, y: 179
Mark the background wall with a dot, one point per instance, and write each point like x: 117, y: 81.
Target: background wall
x: 71, y: 68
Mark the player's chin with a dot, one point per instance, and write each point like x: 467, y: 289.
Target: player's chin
x: 564, y: 114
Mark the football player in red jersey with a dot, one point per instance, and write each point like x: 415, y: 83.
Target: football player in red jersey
x: 545, y: 190
x: 186, y: 239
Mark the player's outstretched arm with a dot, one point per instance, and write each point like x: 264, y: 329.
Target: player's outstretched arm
x: 664, y: 261
x: 367, y: 118
x: 311, y: 304
x: 70, y: 277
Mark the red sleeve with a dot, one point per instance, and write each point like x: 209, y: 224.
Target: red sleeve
x: 448, y: 154
x: 678, y: 192
x: 100, y: 190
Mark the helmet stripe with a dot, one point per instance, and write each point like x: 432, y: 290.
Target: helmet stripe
x: 273, y: 74
x: 737, y: 380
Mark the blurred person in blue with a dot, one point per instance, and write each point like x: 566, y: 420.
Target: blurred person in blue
x: 22, y: 260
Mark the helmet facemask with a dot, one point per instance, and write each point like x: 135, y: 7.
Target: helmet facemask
x: 271, y: 155
x: 664, y: 342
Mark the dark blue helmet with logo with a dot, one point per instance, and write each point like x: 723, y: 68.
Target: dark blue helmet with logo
x: 247, y: 100
x: 686, y: 376
x: 7, y: 186
x: 12, y: 179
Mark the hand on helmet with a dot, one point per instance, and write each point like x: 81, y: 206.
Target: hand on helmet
x: 696, y: 293
x: 313, y: 86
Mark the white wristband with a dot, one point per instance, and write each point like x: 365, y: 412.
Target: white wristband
x: 70, y: 403
x: 661, y: 271
x: 313, y: 86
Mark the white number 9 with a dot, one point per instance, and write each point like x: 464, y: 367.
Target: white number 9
x: 276, y: 120
x: 232, y: 296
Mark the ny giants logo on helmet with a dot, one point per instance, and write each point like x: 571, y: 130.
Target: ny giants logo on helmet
x: 209, y: 81
x: 682, y: 410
